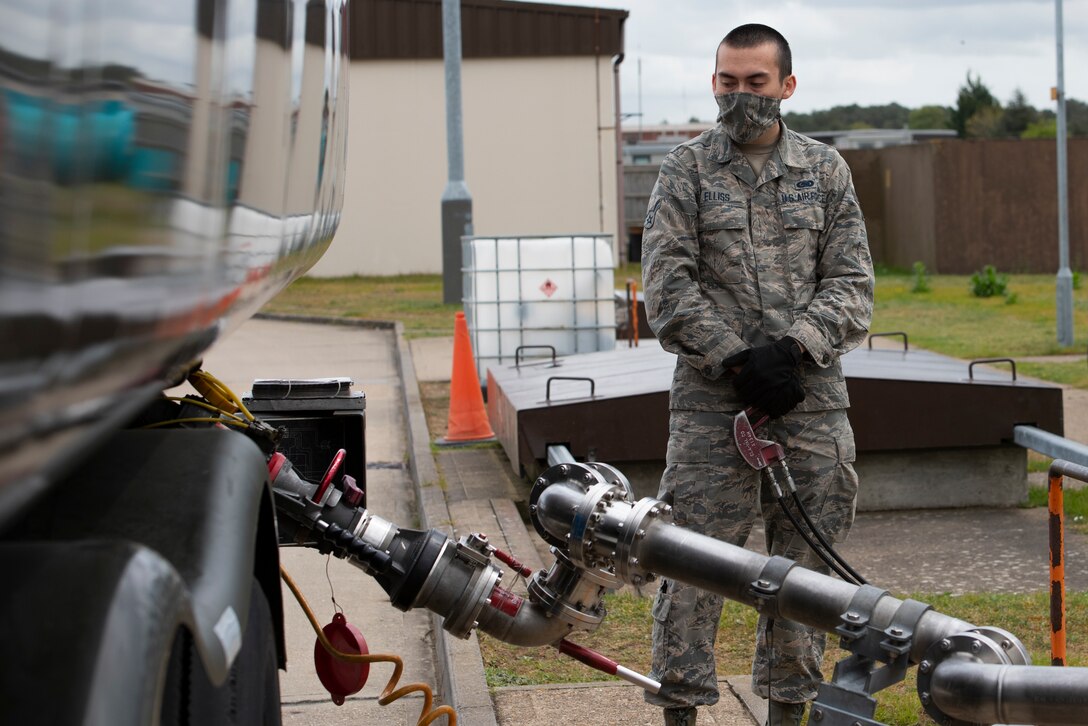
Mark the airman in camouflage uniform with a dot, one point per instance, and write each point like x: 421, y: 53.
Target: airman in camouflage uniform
x: 734, y: 260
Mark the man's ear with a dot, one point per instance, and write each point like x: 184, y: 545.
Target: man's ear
x: 789, y: 86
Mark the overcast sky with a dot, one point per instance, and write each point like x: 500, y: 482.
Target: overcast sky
x: 912, y: 52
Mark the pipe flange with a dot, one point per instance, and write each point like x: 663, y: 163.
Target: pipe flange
x: 464, y: 617
x: 457, y: 585
x: 583, y: 527
x: 614, y: 476
x: 1014, y: 650
x: 577, y: 475
x: 633, y: 530
x: 570, y: 593
x: 973, y: 646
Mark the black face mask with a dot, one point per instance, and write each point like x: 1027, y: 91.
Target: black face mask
x: 747, y: 116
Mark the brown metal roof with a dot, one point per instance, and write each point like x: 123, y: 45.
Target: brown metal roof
x: 412, y: 29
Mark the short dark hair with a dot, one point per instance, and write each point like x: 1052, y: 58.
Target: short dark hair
x: 753, y: 34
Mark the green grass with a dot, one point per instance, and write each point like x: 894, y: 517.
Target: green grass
x: 1074, y: 504
x: 624, y: 636
x: 948, y: 319
x: 1074, y: 373
x: 629, y: 270
x: 414, y: 300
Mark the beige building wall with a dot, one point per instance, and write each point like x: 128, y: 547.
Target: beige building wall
x: 540, y: 159
x: 264, y: 166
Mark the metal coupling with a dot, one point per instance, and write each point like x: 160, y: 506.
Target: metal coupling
x: 570, y: 593
x: 588, y: 511
x: 986, y: 645
x: 459, y: 585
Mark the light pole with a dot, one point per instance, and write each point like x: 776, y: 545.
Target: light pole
x: 456, y: 200
x: 1065, y: 275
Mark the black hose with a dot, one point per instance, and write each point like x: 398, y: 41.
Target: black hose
x: 822, y: 549
x: 828, y: 560
x: 858, y: 579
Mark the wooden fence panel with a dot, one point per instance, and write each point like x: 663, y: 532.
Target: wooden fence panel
x: 954, y: 205
x: 959, y: 205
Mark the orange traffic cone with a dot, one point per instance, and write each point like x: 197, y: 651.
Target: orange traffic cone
x: 468, y: 418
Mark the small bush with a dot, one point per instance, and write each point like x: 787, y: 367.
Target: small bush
x: 921, y: 278
x: 1076, y: 279
x: 988, y: 282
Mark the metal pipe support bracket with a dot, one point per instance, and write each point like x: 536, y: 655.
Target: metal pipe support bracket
x: 847, y: 698
x: 765, y: 587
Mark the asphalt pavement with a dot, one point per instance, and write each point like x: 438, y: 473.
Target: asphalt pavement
x: 474, y: 490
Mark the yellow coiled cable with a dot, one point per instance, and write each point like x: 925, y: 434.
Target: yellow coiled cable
x: 217, y: 393
x: 427, y: 715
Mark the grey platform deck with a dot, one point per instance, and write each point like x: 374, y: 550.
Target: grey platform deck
x: 617, y: 409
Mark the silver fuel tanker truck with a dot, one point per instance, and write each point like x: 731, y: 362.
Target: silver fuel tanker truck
x: 165, y: 169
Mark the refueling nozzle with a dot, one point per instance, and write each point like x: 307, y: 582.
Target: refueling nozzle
x: 458, y: 580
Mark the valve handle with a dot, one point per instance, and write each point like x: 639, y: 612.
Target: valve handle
x: 334, y: 466
x: 593, y: 659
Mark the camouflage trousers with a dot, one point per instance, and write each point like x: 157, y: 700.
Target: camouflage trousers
x: 714, y: 492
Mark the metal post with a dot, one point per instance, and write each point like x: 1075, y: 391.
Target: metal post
x: 1065, y: 275
x: 621, y: 209
x: 1057, y: 567
x: 1059, y: 469
x: 456, y: 200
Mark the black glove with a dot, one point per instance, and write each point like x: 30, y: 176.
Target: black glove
x: 770, y: 379
x: 735, y: 361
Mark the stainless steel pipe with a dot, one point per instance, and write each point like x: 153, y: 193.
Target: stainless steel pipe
x: 984, y: 693
x: 967, y: 674
x: 664, y: 549
x: 805, y: 596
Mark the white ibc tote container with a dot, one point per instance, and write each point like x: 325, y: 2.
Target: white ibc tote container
x: 523, y: 292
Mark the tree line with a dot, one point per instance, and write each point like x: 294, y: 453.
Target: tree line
x: 977, y: 114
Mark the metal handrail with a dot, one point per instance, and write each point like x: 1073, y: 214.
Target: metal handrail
x: 906, y: 346
x: 1051, y: 445
x: 517, y: 353
x: 548, y: 385
x: 1062, y: 450
x: 1059, y: 469
x: 972, y: 364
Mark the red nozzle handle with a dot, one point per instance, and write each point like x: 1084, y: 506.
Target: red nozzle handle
x: 512, y: 561
x: 334, y: 466
x: 591, y: 658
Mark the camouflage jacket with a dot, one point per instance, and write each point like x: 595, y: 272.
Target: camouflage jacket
x: 730, y: 262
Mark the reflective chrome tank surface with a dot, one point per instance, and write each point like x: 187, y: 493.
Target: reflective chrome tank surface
x: 165, y: 169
